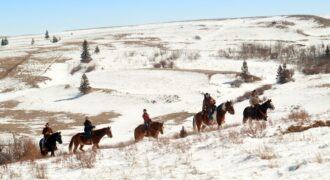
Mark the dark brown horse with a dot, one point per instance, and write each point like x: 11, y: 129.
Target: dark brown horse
x: 257, y: 113
x: 80, y: 139
x: 200, y: 120
x: 154, y: 130
x: 50, y: 144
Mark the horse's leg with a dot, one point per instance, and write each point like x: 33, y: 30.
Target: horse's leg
x: 52, y: 153
x: 81, y: 147
x: 244, y: 119
x: 76, y: 144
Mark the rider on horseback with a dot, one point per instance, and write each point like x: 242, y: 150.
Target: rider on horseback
x: 146, y: 119
x: 88, y: 128
x: 47, y: 131
x: 208, y: 105
x: 255, y: 102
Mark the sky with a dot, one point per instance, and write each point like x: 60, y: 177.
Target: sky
x: 19, y: 17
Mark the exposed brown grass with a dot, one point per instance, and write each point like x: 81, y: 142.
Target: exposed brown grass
x: 299, y: 115
x: 86, y: 159
x: 265, y: 152
x: 301, y: 128
x: 21, y: 118
x: 255, y: 129
x: 178, y: 117
x: 39, y: 170
x: 323, y: 22
x: 326, y: 85
x: 247, y: 94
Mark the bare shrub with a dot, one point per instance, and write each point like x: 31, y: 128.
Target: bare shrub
x: 318, y: 158
x: 75, y: 69
x: 174, y: 55
x: 67, y: 86
x: 301, y: 128
x: 163, y: 63
x: 39, y: 170
x: 234, y: 137
x: 86, y: 159
x: 171, y: 65
x: 157, y: 65
x: 299, y: 115
x: 197, y: 37
x: 21, y: 149
x: 265, y: 152
x: 193, y: 55
x: 255, y: 129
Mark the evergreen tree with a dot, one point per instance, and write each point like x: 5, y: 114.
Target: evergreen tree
x: 6, y: 41
x: 32, y: 41
x: 327, y: 51
x: 55, y: 40
x: 85, y: 56
x: 279, y: 74
x: 245, y: 69
x: 97, y: 50
x: 46, y: 35
x: 2, y: 42
x: 84, y: 85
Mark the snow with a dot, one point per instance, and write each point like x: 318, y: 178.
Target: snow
x: 124, y: 82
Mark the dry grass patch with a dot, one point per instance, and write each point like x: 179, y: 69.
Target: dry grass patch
x: 21, y: 118
x: 326, y: 85
x: 301, y: 128
x: 263, y: 152
x: 9, y: 104
x: 299, y: 115
x: 178, y: 117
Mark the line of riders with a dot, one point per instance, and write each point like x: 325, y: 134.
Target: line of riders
x: 208, y: 109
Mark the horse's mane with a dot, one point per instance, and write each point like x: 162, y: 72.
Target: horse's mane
x: 97, y: 131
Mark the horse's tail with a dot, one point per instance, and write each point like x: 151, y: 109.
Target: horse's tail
x: 194, y: 123
x: 71, y: 144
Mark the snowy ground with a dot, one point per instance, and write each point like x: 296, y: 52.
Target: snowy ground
x: 124, y: 83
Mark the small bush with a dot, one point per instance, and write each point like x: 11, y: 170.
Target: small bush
x: 299, y: 115
x: 86, y: 159
x: 193, y: 55
x: 157, y: 65
x: 197, y: 37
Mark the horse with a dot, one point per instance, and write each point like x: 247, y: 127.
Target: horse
x: 80, y: 139
x: 253, y: 113
x: 50, y: 144
x: 200, y: 120
x: 154, y: 130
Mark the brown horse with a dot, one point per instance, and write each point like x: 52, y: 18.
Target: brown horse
x: 253, y: 113
x: 80, y: 139
x: 200, y: 120
x: 154, y: 130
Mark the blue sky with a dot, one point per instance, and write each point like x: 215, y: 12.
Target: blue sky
x: 35, y: 16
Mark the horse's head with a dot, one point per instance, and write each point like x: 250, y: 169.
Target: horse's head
x: 270, y: 104
x: 108, y: 132
x: 58, y: 137
x: 230, y: 107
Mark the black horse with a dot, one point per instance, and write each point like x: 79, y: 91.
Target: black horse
x: 257, y: 113
x: 50, y: 144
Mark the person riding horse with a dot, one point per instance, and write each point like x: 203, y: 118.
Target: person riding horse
x: 208, y: 105
x: 255, y: 102
x: 47, y: 131
x: 146, y: 119
x: 88, y: 128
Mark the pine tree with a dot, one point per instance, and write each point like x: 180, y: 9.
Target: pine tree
x: 6, y: 41
x: 84, y: 85
x: 85, y: 56
x: 2, y: 42
x: 279, y: 74
x: 32, y: 41
x: 327, y: 51
x: 55, y: 40
x: 97, y: 50
x: 46, y: 35
x: 245, y: 69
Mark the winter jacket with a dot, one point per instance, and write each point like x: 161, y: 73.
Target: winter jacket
x: 254, y: 100
x: 47, y: 131
x: 208, y: 103
x: 146, y: 118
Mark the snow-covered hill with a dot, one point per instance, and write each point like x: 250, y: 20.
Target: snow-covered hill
x: 38, y: 86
